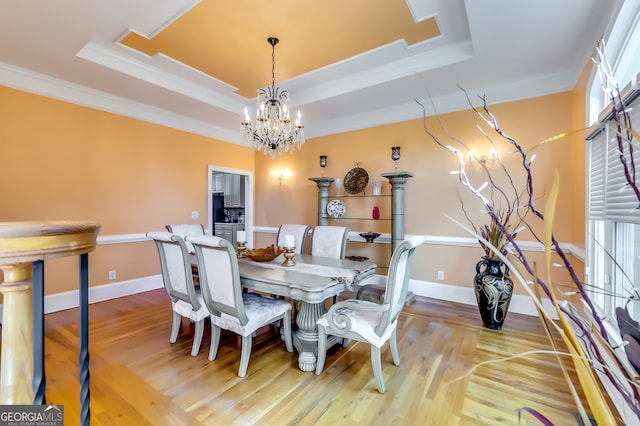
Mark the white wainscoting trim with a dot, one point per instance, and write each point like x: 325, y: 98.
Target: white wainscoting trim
x: 450, y: 241
x: 353, y: 236
x: 71, y: 299
x: 121, y: 239
x: 520, y: 303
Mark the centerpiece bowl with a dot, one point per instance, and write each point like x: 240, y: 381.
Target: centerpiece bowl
x: 369, y: 236
x: 264, y: 254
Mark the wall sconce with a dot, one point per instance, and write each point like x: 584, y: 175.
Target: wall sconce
x: 280, y: 175
x: 486, y: 160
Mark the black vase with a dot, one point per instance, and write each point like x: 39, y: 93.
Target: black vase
x: 493, y: 289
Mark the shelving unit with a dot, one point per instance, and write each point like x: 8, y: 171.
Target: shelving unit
x: 359, y: 218
x: 396, y: 213
x: 366, y: 202
x: 392, y: 213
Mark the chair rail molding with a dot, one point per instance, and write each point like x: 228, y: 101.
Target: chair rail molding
x: 520, y: 303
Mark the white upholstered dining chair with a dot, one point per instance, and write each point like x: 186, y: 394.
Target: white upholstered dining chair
x: 299, y: 232
x: 329, y: 241
x: 370, y: 322
x: 186, y: 229
x: 175, y: 265
x: 231, y: 308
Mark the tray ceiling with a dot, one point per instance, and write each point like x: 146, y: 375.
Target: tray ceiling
x: 195, y: 65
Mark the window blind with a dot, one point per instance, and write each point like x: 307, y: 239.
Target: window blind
x: 610, y: 196
x: 596, y: 174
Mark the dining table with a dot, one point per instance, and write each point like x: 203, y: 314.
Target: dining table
x: 311, y: 281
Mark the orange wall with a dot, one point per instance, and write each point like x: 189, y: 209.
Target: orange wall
x: 63, y: 161
x: 433, y: 192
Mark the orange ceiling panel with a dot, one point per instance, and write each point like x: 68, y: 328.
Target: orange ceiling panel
x: 228, y: 39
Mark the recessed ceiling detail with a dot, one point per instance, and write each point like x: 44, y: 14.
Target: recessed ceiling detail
x: 194, y: 65
x: 227, y: 42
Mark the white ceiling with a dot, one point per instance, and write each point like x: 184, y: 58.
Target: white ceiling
x: 506, y: 49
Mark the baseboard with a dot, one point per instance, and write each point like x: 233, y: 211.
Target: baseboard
x: 520, y: 303
x: 70, y: 299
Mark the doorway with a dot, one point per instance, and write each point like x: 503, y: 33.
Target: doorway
x: 247, y: 179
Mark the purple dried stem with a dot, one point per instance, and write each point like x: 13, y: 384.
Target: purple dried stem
x: 513, y: 206
x: 620, y: 116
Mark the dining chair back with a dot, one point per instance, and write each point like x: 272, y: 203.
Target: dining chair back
x: 370, y: 322
x: 186, y: 229
x: 175, y: 266
x: 231, y: 308
x: 329, y: 241
x: 299, y: 232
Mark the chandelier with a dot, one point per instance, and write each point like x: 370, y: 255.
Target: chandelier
x: 272, y: 132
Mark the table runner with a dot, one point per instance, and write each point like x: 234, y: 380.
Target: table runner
x: 345, y: 276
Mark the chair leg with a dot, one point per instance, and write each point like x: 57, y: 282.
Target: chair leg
x: 197, y: 337
x: 322, y: 349
x: 377, y: 368
x: 175, y: 327
x: 275, y: 326
x: 244, y: 357
x: 287, y: 331
x: 394, y: 348
x: 215, y: 341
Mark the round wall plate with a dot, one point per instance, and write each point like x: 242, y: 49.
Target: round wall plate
x: 356, y: 180
x: 336, y: 208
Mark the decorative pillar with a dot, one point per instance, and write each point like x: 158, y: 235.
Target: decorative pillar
x: 324, y: 183
x: 23, y: 248
x: 17, y: 349
x: 397, y: 180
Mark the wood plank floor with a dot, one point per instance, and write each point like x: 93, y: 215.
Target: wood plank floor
x: 138, y: 377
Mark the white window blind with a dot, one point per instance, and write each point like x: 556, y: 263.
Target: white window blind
x: 610, y: 196
x: 597, y: 171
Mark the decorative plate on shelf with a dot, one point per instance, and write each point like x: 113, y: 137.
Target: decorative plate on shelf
x: 336, y: 208
x: 356, y: 180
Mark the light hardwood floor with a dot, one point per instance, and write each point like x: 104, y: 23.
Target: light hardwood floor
x: 138, y: 377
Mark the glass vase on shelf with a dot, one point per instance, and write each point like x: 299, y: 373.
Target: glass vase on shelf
x: 377, y: 187
x: 337, y: 184
x: 375, y: 213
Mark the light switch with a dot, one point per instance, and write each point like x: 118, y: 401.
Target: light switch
x: 194, y: 215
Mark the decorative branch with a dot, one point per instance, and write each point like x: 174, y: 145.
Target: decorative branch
x: 520, y: 203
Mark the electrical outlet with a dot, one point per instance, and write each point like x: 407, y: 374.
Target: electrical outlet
x: 112, y: 275
x: 441, y: 275
x: 194, y: 215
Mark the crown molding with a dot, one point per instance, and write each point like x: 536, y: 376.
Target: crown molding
x: 43, y: 85
x: 507, y: 92
x: 163, y: 71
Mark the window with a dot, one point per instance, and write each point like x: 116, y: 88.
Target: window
x: 613, y: 217
x: 613, y: 220
x: 623, y: 52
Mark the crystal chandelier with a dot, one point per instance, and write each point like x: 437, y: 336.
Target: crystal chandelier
x: 272, y: 133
